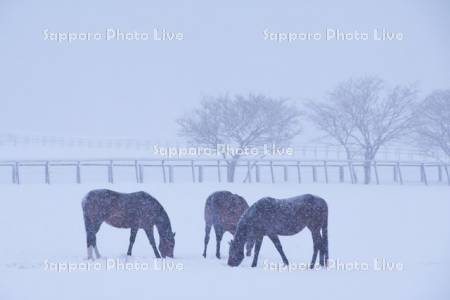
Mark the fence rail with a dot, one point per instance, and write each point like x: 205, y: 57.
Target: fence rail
x: 135, y: 146
x: 263, y: 170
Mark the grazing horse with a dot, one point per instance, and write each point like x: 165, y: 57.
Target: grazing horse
x: 223, y: 210
x: 274, y: 217
x: 134, y: 211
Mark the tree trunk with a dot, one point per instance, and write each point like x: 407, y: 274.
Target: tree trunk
x: 231, y: 169
x: 367, y: 168
x: 367, y: 172
x: 349, y: 155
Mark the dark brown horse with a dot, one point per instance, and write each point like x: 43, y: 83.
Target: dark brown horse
x: 134, y: 211
x: 223, y: 210
x: 273, y: 217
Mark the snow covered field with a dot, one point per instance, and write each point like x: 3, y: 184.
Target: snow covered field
x: 406, y: 227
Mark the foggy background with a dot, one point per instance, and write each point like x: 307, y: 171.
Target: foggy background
x: 138, y: 88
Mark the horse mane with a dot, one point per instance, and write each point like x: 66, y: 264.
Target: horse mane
x: 163, y: 221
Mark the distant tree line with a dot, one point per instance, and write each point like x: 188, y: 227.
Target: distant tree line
x: 360, y: 114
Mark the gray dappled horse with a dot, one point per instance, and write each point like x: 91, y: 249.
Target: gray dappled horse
x: 273, y: 217
x: 134, y: 211
x: 223, y: 210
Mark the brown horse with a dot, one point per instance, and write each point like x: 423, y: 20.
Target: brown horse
x: 273, y: 217
x: 134, y: 211
x: 223, y: 210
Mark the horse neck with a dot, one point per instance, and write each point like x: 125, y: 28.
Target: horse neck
x: 241, y: 234
x: 163, y: 224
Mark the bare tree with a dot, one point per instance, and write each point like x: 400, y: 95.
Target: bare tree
x: 333, y: 122
x: 366, y: 114
x: 432, y: 126
x: 243, y: 122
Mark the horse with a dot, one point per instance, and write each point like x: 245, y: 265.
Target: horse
x: 134, y: 210
x: 273, y: 217
x: 223, y: 210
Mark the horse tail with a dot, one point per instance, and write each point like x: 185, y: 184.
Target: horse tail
x: 209, y: 209
x: 89, y: 223
x: 325, y: 236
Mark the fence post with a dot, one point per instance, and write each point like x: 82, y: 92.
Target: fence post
x: 249, y: 173
x: 141, y: 173
x: 341, y: 174
x: 171, y: 173
x: 314, y: 173
x: 448, y: 175
x: 377, y: 178
x: 423, y: 178
x: 299, y: 175
x: 271, y: 172
x: 47, y: 173
x: 200, y: 174
x: 439, y: 173
x: 257, y: 175
x: 110, y: 172
x: 399, y: 172
x: 17, y: 173
x: 325, y: 167
x: 136, y: 171
x: 78, y: 172
x: 193, y: 171
x: 163, y: 167
x: 285, y: 174
x: 425, y: 174
x: 13, y: 174
x: 395, y: 173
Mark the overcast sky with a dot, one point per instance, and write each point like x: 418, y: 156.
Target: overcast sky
x: 138, y: 88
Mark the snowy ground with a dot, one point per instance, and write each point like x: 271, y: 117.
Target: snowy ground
x: 406, y: 225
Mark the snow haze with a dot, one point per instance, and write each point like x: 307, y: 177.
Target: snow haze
x: 138, y: 88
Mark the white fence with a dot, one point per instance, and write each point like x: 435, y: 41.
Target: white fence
x: 199, y: 171
x: 144, y: 147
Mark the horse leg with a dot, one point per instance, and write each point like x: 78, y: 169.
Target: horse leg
x: 91, y: 239
x: 133, y: 234
x: 151, y: 238
x: 258, y: 244
x: 219, y: 234
x: 249, y: 245
x: 207, y: 232
x: 324, y: 244
x: 316, y: 245
x: 321, y: 252
x: 96, y: 229
x: 277, y: 243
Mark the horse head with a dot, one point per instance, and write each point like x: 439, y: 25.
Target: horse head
x: 167, y: 244
x: 236, y: 254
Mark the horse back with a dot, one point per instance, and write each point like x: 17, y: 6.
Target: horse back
x: 286, y: 216
x: 311, y: 209
x: 224, y: 208
x: 120, y: 209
